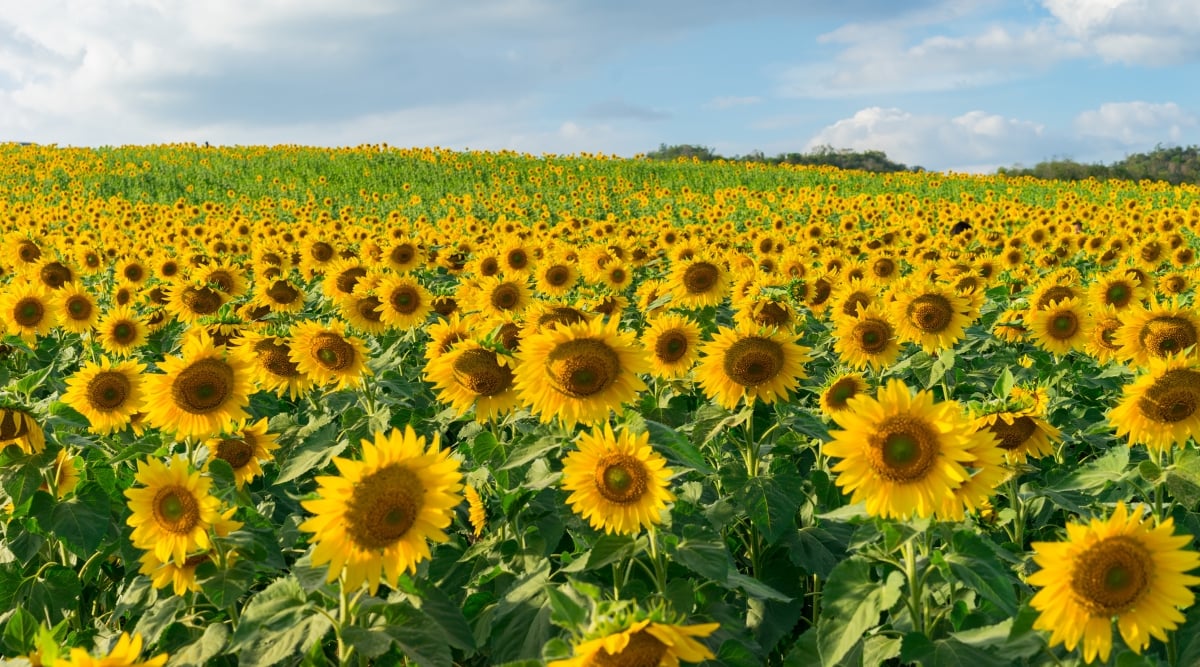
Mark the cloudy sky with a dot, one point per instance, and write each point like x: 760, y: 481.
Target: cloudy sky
x: 965, y: 85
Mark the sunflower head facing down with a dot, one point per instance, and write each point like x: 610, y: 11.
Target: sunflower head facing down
x: 375, y: 520
x: 18, y: 427
x: 1125, y: 568
x: 617, y: 483
x: 839, y: 388
x: 906, y: 454
x: 580, y: 372
x: 751, y: 363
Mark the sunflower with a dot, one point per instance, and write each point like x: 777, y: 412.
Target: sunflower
x: 18, y: 427
x: 1055, y: 288
x: 377, y: 517
x: 1162, y: 330
x: 750, y: 363
x: 763, y: 311
x: 476, y: 511
x: 226, y: 278
x: 1102, y: 336
x: 618, y: 484
x: 270, y: 358
x: 673, y: 341
x: 906, y: 454
x: 281, y: 296
x: 866, y: 340
x: 243, y: 447
x: 363, y: 311
x: 1119, y: 288
x: 699, y: 282
x: 405, y: 303
x: 125, y: 653
x: 191, y: 301
x: 121, y: 331
x: 182, y: 576
x: 1128, y: 568
x: 651, y: 296
x: 496, y: 295
x: 1161, y: 408
x: 579, y: 372
x: 63, y: 477
x: 1173, y: 283
x: 930, y: 315
x: 839, y: 388
x: 27, y: 309
x: 643, y: 643
x: 106, y: 393
x: 1020, y: 433
x: 76, y: 308
x: 470, y: 375
x: 1010, y: 326
x: 341, y: 277
x: 445, y: 334
x: 200, y: 392
x: 173, y: 510
x: 403, y: 256
x: 554, y: 276
x: 326, y: 355
x: 1060, y: 327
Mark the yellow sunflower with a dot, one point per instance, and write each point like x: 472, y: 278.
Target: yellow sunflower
x: 107, y: 393
x: 125, y: 653
x: 579, y: 372
x: 270, y: 358
x: 243, y: 448
x: 199, y: 393
x: 930, y: 315
x: 1102, y: 342
x: 1020, y: 433
x: 121, y: 331
x: 77, y: 309
x: 27, y: 310
x: 496, y: 295
x: 1162, y: 330
x: 554, y: 276
x: 327, y: 355
x: 1161, y: 408
x: 376, y: 519
x: 190, y: 302
x: 471, y: 375
x: 476, y: 511
x: 1125, y: 567
x: 182, y: 576
x: 281, y: 296
x: 1119, y: 288
x: 363, y: 311
x: 63, y: 477
x: 1010, y: 326
x: 699, y: 282
x: 905, y: 454
x: 750, y: 363
x: 173, y: 510
x: 618, y: 484
x: 1060, y: 327
x: 405, y: 302
x: 673, y: 341
x: 18, y: 427
x: 839, y: 389
x: 866, y: 340
x: 643, y: 642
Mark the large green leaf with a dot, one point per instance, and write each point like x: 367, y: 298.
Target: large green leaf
x: 851, y: 604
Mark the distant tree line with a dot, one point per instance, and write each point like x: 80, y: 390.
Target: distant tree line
x: 843, y: 158
x: 1173, y: 164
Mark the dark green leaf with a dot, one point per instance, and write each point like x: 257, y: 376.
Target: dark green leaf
x: 80, y: 524
x: 158, y: 617
x: 224, y: 587
x: 853, y: 602
x: 370, y: 642
x: 565, y: 612
x: 316, y: 452
x: 676, y: 448
x: 19, y: 632
x: 207, y: 647
x: 703, y: 555
x: 608, y: 549
x: 978, y: 566
x: 918, y: 648
x: 447, y: 615
x: 1004, y: 384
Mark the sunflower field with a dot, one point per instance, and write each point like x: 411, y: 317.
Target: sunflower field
x: 372, y: 406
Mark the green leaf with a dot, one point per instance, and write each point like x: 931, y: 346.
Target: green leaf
x: 1099, y: 473
x: 221, y: 473
x: 531, y: 450
x: 224, y: 587
x: 370, y: 642
x: 209, y: 646
x: 1183, y: 478
x: 852, y: 604
x: 918, y: 648
x: 1149, y: 471
x: 278, y: 622
x: 978, y: 566
x: 19, y: 632
x: 1004, y: 384
x: 677, y: 448
x: 754, y: 588
x: 607, y: 549
x: 315, y: 453
x: 20, y: 484
x: 771, y: 503
x: 158, y: 617
x: 816, y: 550
x: 487, y: 450
x: 80, y: 523
x: 703, y: 555
x: 33, y: 380
x: 565, y: 612
x: 446, y: 614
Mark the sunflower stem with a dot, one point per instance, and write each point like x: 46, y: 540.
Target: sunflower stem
x: 1018, y: 507
x: 916, y: 589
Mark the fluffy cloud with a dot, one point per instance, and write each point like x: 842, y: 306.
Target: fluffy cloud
x: 975, y: 141
x: 1143, y: 32
x: 1136, y: 124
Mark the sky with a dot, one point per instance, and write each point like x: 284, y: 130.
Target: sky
x: 949, y: 85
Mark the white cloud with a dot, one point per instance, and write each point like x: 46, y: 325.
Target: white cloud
x: 974, y: 141
x: 1136, y: 124
x: 1143, y: 32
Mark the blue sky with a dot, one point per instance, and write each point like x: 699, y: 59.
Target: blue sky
x: 964, y: 85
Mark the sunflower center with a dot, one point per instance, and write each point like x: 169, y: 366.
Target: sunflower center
x: 79, y: 308
x: 201, y: 300
x: 332, y: 351
x: 506, y: 296
x: 557, y: 275
x: 235, y: 451
x: 29, y: 311
x: 478, y: 370
x: 852, y: 302
x: 124, y: 332
x: 1111, y: 575
x: 402, y: 254
x: 445, y: 305
x: 872, y: 335
x: 643, y: 650
x: 490, y: 266
x: 203, y: 387
x: 903, y: 449
x: 753, y: 360
x: 29, y: 252
x: 176, y: 510
x: 931, y: 313
x: 346, y: 280
x: 223, y: 279
x: 583, y: 367
x: 560, y: 315
x: 700, y: 277
x: 1173, y: 397
x: 56, y: 274
x: 384, y: 506
x: 108, y: 390
x: 671, y: 346
x: 1167, y: 335
x: 1063, y: 325
x: 404, y: 300
x: 621, y: 478
x: 1012, y: 436
x: 276, y: 358
x: 883, y: 267
x: 321, y: 251
x: 1118, y: 294
x: 822, y: 290
x: 1055, y: 293
x: 771, y: 314
x: 841, y: 391
x: 368, y: 308
x: 509, y: 336
x: 282, y: 292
